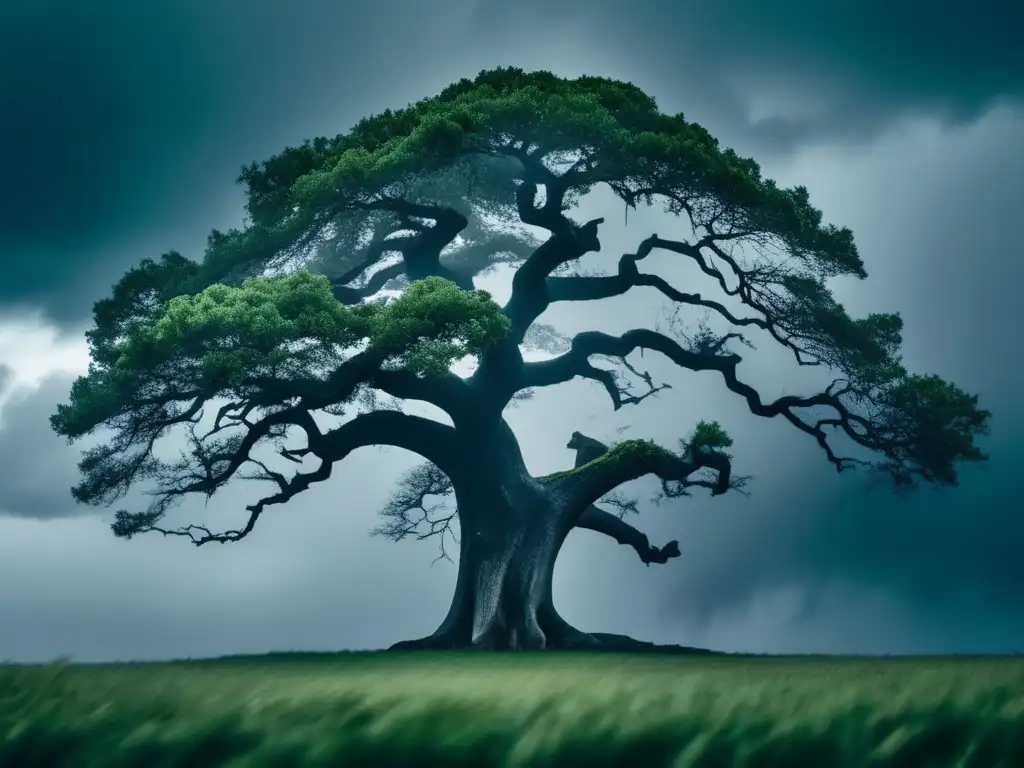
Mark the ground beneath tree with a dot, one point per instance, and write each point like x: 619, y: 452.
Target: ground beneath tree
x: 624, y: 643
x: 607, y: 643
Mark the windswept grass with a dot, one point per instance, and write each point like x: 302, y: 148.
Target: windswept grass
x: 479, y: 710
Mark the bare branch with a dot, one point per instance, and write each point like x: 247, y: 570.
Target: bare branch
x: 595, y: 288
x: 407, y: 512
x: 596, y: 519
x: 428, y: 438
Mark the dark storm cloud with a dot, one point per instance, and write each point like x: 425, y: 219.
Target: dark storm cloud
x: 38, y: 467
x: 853, y: 65
x: 125, y: 122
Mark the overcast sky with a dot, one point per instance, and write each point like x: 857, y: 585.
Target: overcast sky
x: 126, y: 123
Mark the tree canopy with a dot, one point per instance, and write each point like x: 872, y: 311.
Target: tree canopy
x: 285, y: 317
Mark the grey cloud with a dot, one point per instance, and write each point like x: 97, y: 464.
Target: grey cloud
x: 6, y: 377
x: 127, y: 123
x: 307, y: 579
x: 38, y: 468
x: 857, y: 66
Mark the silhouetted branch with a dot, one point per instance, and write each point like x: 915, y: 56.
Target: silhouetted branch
x: 596, y: 519
x: 595, y: 288
x: 407, y: 512
x: 576, y: 363
x: 428, y: 438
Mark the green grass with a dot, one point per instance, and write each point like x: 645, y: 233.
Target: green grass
x: 516, y: 710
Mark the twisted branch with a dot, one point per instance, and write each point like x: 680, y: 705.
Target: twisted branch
x: 576, y: 363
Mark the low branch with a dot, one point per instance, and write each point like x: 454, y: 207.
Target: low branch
x: 430, y: 439
x: 596, y: 519
x: 631, y: 460
x: 407, y: 513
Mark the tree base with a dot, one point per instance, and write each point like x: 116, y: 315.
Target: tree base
x: 599, y: 642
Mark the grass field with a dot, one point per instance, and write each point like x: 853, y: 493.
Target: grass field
x: 478, y: 710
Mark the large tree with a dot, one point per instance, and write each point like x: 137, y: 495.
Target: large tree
x: 279, y: 336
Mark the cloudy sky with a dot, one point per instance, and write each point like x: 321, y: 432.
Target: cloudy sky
x: 125, y: 124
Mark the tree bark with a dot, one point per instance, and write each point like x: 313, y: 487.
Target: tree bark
x: 510, y: 538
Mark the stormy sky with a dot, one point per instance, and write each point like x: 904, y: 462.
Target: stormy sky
x: 124, y: 125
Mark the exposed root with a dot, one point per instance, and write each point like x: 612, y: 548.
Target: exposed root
x: 437, y: 641
x: 558, y: 635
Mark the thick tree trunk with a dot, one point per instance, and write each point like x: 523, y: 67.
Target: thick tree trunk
x: 509, y: 543
x: 511, y: 533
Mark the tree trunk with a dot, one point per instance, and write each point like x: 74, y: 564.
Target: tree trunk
x: 507, y: 551
x: 511, y: 533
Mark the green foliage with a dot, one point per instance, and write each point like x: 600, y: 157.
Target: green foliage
x: 270, y: 331
x: 867, y: 350
x: 514, y: 710
x: 135, y: 297
x: 631, y: 146
x: 926, y: 426
x: 435, y: 323
x: 709, y: 434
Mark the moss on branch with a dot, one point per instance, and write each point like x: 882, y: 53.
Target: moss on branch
x: 626, y: 451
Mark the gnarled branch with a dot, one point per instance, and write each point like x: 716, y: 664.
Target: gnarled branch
x: 576, y: 362
x: 529, y: 296
x: 577, y: 288
x: 596, y: 519
x: 633, y: 459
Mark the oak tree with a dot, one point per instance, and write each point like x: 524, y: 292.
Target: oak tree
x: 280, y: 337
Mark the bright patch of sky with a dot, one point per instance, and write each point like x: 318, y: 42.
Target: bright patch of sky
x: 31, y: 351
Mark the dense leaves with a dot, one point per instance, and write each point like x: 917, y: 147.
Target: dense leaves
x: 228, y: 341
x: 927, y: 425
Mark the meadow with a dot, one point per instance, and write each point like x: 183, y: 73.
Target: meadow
x: 480, y: 710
